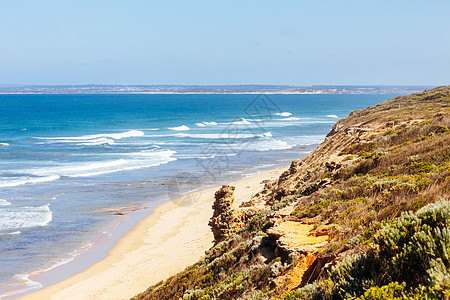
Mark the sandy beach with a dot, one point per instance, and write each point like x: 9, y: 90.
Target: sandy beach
x: 171, y: 238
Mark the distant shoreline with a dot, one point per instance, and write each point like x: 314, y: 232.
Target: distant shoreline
x: 207, y: 90
x: 158, y: 93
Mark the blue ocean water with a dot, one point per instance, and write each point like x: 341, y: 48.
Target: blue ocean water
x: 69, y: 162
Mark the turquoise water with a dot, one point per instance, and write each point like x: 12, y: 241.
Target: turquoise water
x: 68, y: 162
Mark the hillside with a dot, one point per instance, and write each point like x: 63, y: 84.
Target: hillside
x: 355, y: 218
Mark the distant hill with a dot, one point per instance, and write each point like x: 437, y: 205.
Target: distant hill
x: 366, y: 215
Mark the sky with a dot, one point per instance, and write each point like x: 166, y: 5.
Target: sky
x: 395, y: 42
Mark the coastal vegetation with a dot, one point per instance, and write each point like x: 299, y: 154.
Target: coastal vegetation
x: 364, y: 216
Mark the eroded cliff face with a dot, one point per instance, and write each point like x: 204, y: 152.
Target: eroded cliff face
x: 373, y: 165
x: 226, y: 219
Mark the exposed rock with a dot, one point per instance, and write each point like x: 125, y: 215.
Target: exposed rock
x: 226, y: 219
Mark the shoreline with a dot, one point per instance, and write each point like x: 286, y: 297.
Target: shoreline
x: 160, y: 245
x: 205, y: 93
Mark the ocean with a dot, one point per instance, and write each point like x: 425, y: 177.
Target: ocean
x: 74, y: 167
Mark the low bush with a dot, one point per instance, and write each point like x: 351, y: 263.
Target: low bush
x: 409, y: 259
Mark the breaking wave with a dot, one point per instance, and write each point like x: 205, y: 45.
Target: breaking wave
x: 180, y: 128
x: 14, y: 218
x: 284, y: 114
x: 94, y: 139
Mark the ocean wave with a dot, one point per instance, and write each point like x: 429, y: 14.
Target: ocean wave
x: 16, y: 181
x: 204, y: 124
x: 204, y: 156
x: 222, y: 135
x: 268, y: 145
x: 135, y: 160
x: 98, y: 141
x: 30, y: 284
x: 88, y: 138
x: 241, y: 122
x: 129, y: 161
x: 24, y: 280
x: 291, y: 119
x: 332, y: 116
x: 306, y: 140
x: 284, y: 114
x: 88, y: 142
x: 15, y: 218
x: 4, y: 144
x: 3, y: 202
x: 14, y: 232
x: 294, y: 121
x: 180, y: 128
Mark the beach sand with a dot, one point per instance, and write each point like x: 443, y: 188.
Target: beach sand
x: 170, y: 239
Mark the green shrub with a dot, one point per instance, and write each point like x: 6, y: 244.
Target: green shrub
x: 413, y: 249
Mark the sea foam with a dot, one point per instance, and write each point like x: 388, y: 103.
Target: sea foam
x: 290, y: 119
x: 180, y: 128
x: 16, y: 181
x: 204, y: 124
x: 131, y: 161
x: 87, y: 138
x: 15, y: 218
x: 3, y: 202
x: 284, y: 114
x: 267, y: 144
x: 221, y: 135
x: 241, y: 122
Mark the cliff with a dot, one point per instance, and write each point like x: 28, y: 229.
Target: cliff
x: 355, y: 218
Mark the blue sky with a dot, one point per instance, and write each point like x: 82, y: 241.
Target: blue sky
x: 225, y: 42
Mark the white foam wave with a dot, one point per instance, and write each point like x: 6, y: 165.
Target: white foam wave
x: 332, y: 116
x: 268, y: 144
x: 180, y: 128
x: 62, y: 261
x: 136, y: 160
x: 210, y: 123
x: 87, y: 138
x: 13, y: 218
x: 241, y: 122
x: 204, y: 124
x: 24, y: 279
x: 14, y: 233
x: 99, y: 141
x: 205, y: 156
x: 290, y: 119
x: 4, y: 144
x: 15, y: 181
x: 294, y: 121
x: 221, y: 135
x: 3, y: 202
x: 284, y: 114
x: 306, y: 140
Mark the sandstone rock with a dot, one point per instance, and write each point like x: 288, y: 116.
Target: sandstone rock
x: 226, y: 219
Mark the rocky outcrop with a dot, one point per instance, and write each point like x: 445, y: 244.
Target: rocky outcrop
x: 227, y: 219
